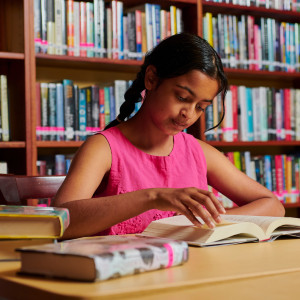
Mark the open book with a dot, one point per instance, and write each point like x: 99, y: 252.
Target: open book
x: 234, y: 229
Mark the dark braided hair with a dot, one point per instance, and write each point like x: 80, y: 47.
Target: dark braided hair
x: 172, y: 57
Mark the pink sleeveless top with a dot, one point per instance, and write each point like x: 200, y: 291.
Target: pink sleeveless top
x: 132, y: 169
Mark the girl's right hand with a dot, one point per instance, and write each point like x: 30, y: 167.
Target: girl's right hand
x: 191, y: 202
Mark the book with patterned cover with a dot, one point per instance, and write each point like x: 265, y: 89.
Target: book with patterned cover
x: 102, y: 258
x: 32, y: 222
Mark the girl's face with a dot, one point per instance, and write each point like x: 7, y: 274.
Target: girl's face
x: 177, y: 103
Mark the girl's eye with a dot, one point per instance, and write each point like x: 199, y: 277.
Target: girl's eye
x: 181, y: 99
x: 200, y: 108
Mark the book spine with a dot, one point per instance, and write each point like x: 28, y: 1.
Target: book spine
x: 112, y: 103
x: 38, y: 111
x: 132, y: 44
x: 50, y: 27
x: 96, y: 27
x: 279, y: 177
x: 90, y: 29
x: 76, y: 112
x: 58, y: 27
x: 52, y: 111
x: 70, y: 27
x: 95, y: 108
x: 44, y: 111
x: 83, y: 51
x: 44, y: 41
x: 60, y: 112
x: 107, y: 105
x: 82, y: 114
x: 138, y: 29
x: 114, y: 22
x: 120, y: 30
x: 76, y: 28
x: 37, y: 25
x: 69, y: 109
x: 101, y: 109
x: 64, y: 26
x: 109, y: 32
x: 4, y: 109
x: 149, y: 25
x: 89, y: 107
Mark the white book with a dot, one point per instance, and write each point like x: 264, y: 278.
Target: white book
x: 263, y: 113
x: 256, y: 114
x: 4, y: 108
x: 120, y: 89
x: 243, y: 117
x: 228, y: 120
x: 58, y: 27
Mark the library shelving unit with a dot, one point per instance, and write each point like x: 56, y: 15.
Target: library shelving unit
x: 24, y: 68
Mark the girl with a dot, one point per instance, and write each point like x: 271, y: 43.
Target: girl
x: 146, y: 168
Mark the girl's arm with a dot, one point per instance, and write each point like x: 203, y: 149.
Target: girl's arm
x: 251, y: 197
x: 89, y: 215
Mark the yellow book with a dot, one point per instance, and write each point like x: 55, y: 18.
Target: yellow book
x: 32, y: 222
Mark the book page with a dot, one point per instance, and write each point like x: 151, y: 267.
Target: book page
x: 262, y: 221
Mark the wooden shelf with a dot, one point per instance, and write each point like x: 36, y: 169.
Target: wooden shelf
x: 91, y: 63
x: 231, y: 9
x: 291, y: 205
x: 54, y: 144
x: 18, y: 144
x: 12, y: 55
x: 253, y: 144
x: 262, y: 75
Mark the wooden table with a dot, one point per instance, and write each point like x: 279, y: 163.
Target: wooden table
x: 248, y: 271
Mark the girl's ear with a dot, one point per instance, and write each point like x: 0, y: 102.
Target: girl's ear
x: 150, y: 78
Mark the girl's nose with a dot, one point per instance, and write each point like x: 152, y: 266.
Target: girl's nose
x: 187, y: 113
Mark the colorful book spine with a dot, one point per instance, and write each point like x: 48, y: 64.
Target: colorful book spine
x: 60, y: 129
x: 70, y: 27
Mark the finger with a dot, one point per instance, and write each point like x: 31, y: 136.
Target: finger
x: 197, y: 209
x: 210, y: 202
x: 184, y: 210
x: 216, y: 202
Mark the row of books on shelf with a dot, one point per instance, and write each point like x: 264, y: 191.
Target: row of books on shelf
x: 255, y: 114
x: 102, y: 29
x: 58, y: 164
x: 254, y: 43
x: 278, y: 173
x: 67, y: 112
x: 4, y: 110
x: 292, y: 5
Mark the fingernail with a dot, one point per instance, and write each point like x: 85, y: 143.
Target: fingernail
x: 212, y: 225
x: 223, y: 210
x: 218, y: 219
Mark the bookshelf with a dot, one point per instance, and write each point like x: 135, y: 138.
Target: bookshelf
x: 24, y: 68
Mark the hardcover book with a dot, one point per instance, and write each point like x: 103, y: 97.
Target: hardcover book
x: 8, y: 246
x: 101, y: 258
x: 234, y: 229
x: 21, y: 222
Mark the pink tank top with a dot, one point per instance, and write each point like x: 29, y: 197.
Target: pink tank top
x: 133, y: 169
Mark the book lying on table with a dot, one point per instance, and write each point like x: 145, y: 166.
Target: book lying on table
x: 32, y: 222
x: 101, y: 258
x: 234, y: 229
x: 8, y: 246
